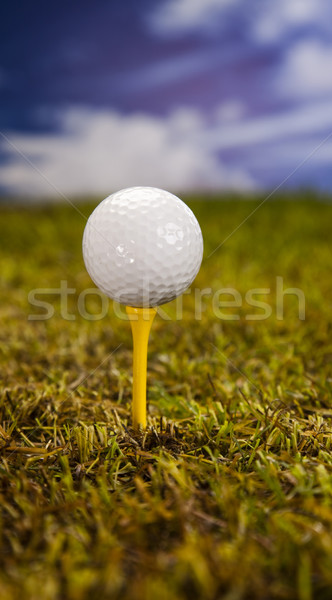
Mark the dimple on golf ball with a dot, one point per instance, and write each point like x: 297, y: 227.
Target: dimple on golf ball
x: 142, y: 246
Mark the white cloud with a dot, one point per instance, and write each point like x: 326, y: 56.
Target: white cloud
x: 97, y: 152
x: 273, y: 20
x: 269, y: 21
x: 315, y: 118
x: 273, y: 146
x: 169, y: 71
x: 231, y: 110
x: 307, y: 70
x: 181, y: 15
x: 290, y: 153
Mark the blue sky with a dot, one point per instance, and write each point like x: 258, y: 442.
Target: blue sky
x: 182, y: 94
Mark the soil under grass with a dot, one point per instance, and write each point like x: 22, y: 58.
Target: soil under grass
x: 228, y: 494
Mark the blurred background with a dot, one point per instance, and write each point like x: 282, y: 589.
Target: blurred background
x: 189, y: 95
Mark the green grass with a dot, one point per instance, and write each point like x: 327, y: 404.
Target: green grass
x: 229, y: 492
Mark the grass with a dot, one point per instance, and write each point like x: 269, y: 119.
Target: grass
x: 228, y: 494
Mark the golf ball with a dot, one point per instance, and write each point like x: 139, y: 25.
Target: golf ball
x: 142, y: 246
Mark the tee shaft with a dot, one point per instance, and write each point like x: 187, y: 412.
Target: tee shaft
x: 140, y: 320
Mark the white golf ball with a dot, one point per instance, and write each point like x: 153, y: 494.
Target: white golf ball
x: 142, y: 246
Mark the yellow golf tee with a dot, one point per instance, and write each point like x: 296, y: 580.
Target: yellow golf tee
x: 140, y: 320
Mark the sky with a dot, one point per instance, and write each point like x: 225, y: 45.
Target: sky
x: 186, y: 95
